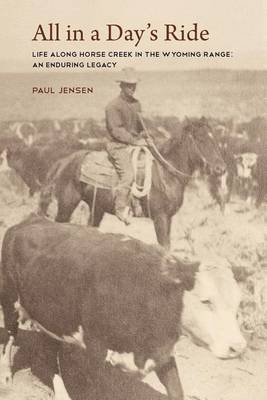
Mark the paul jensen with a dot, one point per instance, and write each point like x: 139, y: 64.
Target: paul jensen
x: 63, y: 90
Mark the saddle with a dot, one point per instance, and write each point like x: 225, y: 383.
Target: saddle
x: 97, y: 170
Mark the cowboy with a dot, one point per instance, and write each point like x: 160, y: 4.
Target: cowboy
x: 125, y: 128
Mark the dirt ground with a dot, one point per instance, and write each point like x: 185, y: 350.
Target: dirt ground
x: 199, y: 230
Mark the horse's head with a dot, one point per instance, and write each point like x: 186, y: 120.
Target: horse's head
x: 203, y: 148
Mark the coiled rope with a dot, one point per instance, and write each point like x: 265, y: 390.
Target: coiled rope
x: 140, y: 191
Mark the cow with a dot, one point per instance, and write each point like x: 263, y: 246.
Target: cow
x: 238, y: 176
x: 75, y: 284
x: 208, y: 318
x: 32, y: 163
x: 24, y: 130
x: 8, y: 140
x: 245, y: 163
x: 99, y: 291
x: 221, y: 186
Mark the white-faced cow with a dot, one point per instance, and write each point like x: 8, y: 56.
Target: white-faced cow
x: 239, y: 175
x: 210, y: 312
x: 245, y: 164
x: 106, y: 291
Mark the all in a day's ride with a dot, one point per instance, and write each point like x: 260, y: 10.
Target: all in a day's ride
x: 180, y: 158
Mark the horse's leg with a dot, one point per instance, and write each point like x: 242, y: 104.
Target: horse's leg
x: 96, y: 216
x: 99, y: 201
x: 162, y: 223
x: 68, y: 200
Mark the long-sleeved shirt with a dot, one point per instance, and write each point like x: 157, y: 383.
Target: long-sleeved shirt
x: 123, y: 123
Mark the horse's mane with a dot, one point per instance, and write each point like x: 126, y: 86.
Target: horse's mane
x: 169, y: 148
x: 193, y: 125
x: 176, y: 138
x: 166, y: 147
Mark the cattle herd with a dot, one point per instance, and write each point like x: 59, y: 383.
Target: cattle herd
x: 119, y: 301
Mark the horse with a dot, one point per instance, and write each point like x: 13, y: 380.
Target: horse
x: 180, y: 157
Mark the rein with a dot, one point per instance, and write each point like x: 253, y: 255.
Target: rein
x: 166, y: 163
x: 158, y: 155
x: 173, y: 170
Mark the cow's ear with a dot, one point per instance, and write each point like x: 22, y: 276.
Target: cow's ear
x: 187, y: 273
x: 180, y: 271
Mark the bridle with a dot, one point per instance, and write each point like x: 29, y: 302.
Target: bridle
x: 173, y: 170
x: 154, y: 150
x: 200, y: 154
x: 198, y: 151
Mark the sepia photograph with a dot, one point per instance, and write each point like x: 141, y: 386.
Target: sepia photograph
x: 133, y: 189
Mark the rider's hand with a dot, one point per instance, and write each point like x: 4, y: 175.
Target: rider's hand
x: 143, y: 134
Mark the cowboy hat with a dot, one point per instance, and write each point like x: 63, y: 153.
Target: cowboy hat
x: 128, y: 75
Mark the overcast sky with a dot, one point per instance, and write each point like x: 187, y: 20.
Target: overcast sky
x: 238, y: 26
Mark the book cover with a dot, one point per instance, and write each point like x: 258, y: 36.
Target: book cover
x: 182, y: 87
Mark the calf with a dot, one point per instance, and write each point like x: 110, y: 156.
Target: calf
x: 98, y: 291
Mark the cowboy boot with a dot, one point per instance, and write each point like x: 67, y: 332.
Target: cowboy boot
x: 122, y: 209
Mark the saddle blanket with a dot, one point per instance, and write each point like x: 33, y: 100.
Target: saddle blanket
x: 97, y: 170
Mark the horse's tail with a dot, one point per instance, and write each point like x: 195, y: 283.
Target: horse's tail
x: 57, y: 177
